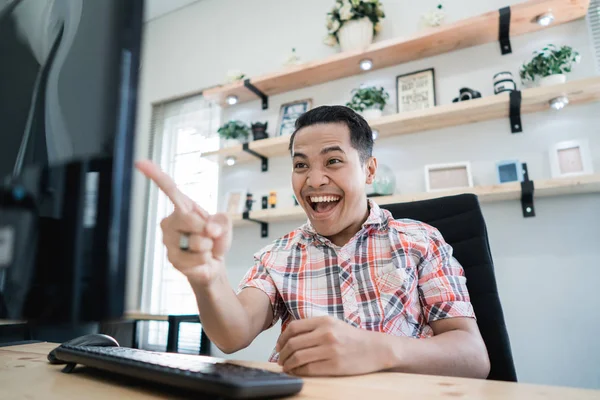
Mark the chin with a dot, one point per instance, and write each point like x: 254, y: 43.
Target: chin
x: 325, y: 230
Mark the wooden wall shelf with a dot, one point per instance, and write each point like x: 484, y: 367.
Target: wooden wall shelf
x: 477, y: 110
x: 486, y: 194
x: 462, y: 34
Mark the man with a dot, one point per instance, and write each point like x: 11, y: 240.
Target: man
x: 353, y: 286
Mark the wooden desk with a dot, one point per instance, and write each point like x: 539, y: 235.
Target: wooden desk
x: 26, y: 374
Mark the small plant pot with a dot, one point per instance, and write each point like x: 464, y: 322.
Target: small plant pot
x: 232, y: 142
x: 552, y: 80
x: 259, y: 135
x: 371, y: 114
x: 356, y: 34
x: 259, y: 131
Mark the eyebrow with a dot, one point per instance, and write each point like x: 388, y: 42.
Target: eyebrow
x: 323, y: 151
x: 331, y: 149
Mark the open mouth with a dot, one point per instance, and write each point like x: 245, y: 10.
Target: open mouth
x: 323, y: 204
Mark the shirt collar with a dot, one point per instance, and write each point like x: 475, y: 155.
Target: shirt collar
x: 375, y: 218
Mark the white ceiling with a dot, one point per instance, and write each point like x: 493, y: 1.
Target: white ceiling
x: 157, y: 8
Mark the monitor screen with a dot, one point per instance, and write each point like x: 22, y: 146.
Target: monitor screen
x: 68, y: 81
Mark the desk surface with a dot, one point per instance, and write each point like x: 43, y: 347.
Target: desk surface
x: 26, y: 374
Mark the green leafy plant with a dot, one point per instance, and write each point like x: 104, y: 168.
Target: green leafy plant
x: 234, y: 130
x: 347, y: 10
x: 551, y: 60
x: 367, y: 98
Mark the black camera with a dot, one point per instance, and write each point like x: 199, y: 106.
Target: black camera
x: 466, y: 94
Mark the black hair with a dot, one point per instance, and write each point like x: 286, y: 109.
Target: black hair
x: 361, y: 136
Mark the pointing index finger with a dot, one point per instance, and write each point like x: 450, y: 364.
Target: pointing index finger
x: 168, y: 186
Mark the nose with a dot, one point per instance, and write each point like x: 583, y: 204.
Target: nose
x: 316, y: 178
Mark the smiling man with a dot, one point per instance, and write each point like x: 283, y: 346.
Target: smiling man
x: 357, y: 291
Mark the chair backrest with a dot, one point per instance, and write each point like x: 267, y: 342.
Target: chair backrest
x: 460, y: 221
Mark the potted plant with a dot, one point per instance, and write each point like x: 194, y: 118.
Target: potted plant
x: 354, y: 23
x: 549, y: 65
x: 369, y: 101
x: 234, y: 131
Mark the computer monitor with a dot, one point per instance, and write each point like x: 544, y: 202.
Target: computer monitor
x: 68, y: 90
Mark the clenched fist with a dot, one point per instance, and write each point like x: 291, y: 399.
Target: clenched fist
x: 196, y: 241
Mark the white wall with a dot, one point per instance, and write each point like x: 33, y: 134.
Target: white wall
x: 547, y: 267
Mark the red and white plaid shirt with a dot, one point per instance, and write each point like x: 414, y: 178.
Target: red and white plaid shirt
x: 393, y: 276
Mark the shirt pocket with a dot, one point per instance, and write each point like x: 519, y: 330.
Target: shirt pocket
x: 396, y: 291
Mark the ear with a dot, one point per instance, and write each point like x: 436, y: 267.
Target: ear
x: 371, y: 169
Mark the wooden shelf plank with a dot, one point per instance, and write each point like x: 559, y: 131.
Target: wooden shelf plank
x: 486, y: 194
x: 477, y: 110
x: 486, y: 108
x: 459, y: 35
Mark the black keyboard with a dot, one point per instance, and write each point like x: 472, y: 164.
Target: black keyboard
x: 190, y: 372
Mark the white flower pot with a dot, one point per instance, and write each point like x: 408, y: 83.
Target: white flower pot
x: 231, y: 142
x: 371, y: 114
x: 356, y: 34
x: 552, y: 80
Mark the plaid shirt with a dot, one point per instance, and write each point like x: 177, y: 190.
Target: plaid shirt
x: 393, y: 276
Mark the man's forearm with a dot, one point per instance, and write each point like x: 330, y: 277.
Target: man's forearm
x: 224, y: 318
x: 452, y: 353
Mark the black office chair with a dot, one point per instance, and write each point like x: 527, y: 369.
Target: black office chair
x: 460, y: 221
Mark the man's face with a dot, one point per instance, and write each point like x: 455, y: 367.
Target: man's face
x: 329, y: 179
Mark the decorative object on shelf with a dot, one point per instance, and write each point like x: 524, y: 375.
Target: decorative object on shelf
x: 369, y: 101
x: 571, y: 158
x: 234, y: 75
x: 235, y: 201
x: 439, y: 177
x: 509, y: 171
x: 272, y: 199
x: 292, y: 59
x: 433, y: 18
x: 465, y: 94
x: 249, y: 202
x: 549, y: 65
x: 264, y: 204
x: 259, y: 130
x: 354, y: 23
x: 504, y: 82
x: 384, y: 183
x: 234, y: 131
x: 289, y: 113
x: 416, y: 91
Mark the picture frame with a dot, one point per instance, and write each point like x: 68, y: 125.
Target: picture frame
x: 235, y: 201
x: 441, y: 177
x: 509, y: 171
x: 289, y: 113
x: 415, y: 90
x: 571, y: 158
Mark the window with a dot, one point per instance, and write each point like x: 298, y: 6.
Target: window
x: 181, y: 131
x: 593, y: 18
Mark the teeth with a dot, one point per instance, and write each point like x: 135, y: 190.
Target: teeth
x: 323, y: 199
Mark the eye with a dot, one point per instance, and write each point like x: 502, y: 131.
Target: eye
x: 299, y: 165
x: 334, y: 161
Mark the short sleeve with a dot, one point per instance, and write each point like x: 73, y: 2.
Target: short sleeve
x: 442, y: 282
x: 258, y: 277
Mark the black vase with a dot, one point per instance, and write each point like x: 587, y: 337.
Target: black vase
x: 259, y: 130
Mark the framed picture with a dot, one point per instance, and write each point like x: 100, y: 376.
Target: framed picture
x: 509, y: 171
x: 289, y: 113
x: 571, y: 158
x: 439, y: 177
x: 415, y: 91
x: 235, y: 202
